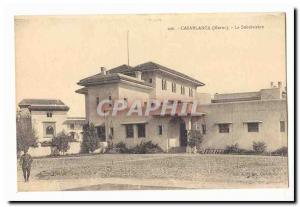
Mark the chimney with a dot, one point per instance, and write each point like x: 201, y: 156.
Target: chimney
x: 103, y: 70
x: 279, y: 84
x: 138, y: 75
x: 272, y: 84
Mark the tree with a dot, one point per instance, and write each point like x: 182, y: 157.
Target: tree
x: 90, y: 141
x: 26, y: 135
x: 61, y: 142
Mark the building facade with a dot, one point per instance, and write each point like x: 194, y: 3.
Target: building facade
x: 48, y: 118
x: 244, y: 118
x: 227, y: 119
x: 145, y: 82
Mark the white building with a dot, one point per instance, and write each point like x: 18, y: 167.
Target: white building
x: 48, y: 118
x: 228, y: 119
x: 243, y: 118
x: 144, y: 82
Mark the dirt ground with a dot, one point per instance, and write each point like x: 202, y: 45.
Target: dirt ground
x: 155, y: 171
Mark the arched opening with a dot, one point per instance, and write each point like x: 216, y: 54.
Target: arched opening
x: 49, y: 130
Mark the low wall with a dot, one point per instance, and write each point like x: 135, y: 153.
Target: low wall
x: 46, y: 151
x: 74, y: 148
x: 40, y: 151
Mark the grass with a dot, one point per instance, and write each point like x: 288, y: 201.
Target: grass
x: 199, y: 168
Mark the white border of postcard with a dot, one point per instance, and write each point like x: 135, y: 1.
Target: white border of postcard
x: 99, y: 7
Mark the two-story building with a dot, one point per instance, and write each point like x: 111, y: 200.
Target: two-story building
x: 227, y: 119
x: 144, y: 82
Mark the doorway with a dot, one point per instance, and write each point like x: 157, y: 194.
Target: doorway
x: 101, y: 133
x: 182, y: 135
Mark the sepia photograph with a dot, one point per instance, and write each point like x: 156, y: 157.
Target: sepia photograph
x: 122, y: 102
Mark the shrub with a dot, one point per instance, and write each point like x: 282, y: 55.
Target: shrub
x: 142, y: 148
x: 146, y: 147
x: 121, y: 148
x: 234, y: 148
x: 61, y: 142
x: 259, y: 147
x: 194, y: 138
x: 283, y: 151
x: 90, y: 141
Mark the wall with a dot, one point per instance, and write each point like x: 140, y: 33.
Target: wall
x: 39, y: 117
x: 270, y: 112
x: 168, y: 94
x: 103, y: 92
x: 169, y: 137
x: 203, y: 98
x: 236, y: 95
x: 47, y: 151
x: 133, y: 93
x: 116, y: 91
x: 40, y: 151
x: 271, y: 93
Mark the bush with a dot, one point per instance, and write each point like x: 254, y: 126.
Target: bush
x: 194, y: 138
x: 283, y: 151
x: 90, y: 141
x: 61, y: 142
x: 259, y: 147
x: 145, y: 148
x: 234, y: 148
x: 142, y: 148
x: 121, y: 148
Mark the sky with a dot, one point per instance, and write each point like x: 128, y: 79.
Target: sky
x: 52, y: 53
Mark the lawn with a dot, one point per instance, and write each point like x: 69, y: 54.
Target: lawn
x: 235, y: 169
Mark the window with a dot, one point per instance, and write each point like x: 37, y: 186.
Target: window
x: 49, y: 114
x: 101, y: 133
x: 174, y: 87
x: 97, y: 101
x: 72, y: 126
x: 49, y: 130
x: 203, y: 128
x: 160, y: 130
x: 150, y: 80
x: 72, y: 135
x: 129, y: 131
x: 253, y: 127
x: 223, y: 128
x: 164, y: 84
x: 282, y: 126
x: 190, y: 92
x: 111, y: 131
x: 182, y: 90
x: 110, y: 104
x: 141, y: 130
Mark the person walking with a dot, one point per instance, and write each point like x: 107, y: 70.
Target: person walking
x: 25, y: 162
